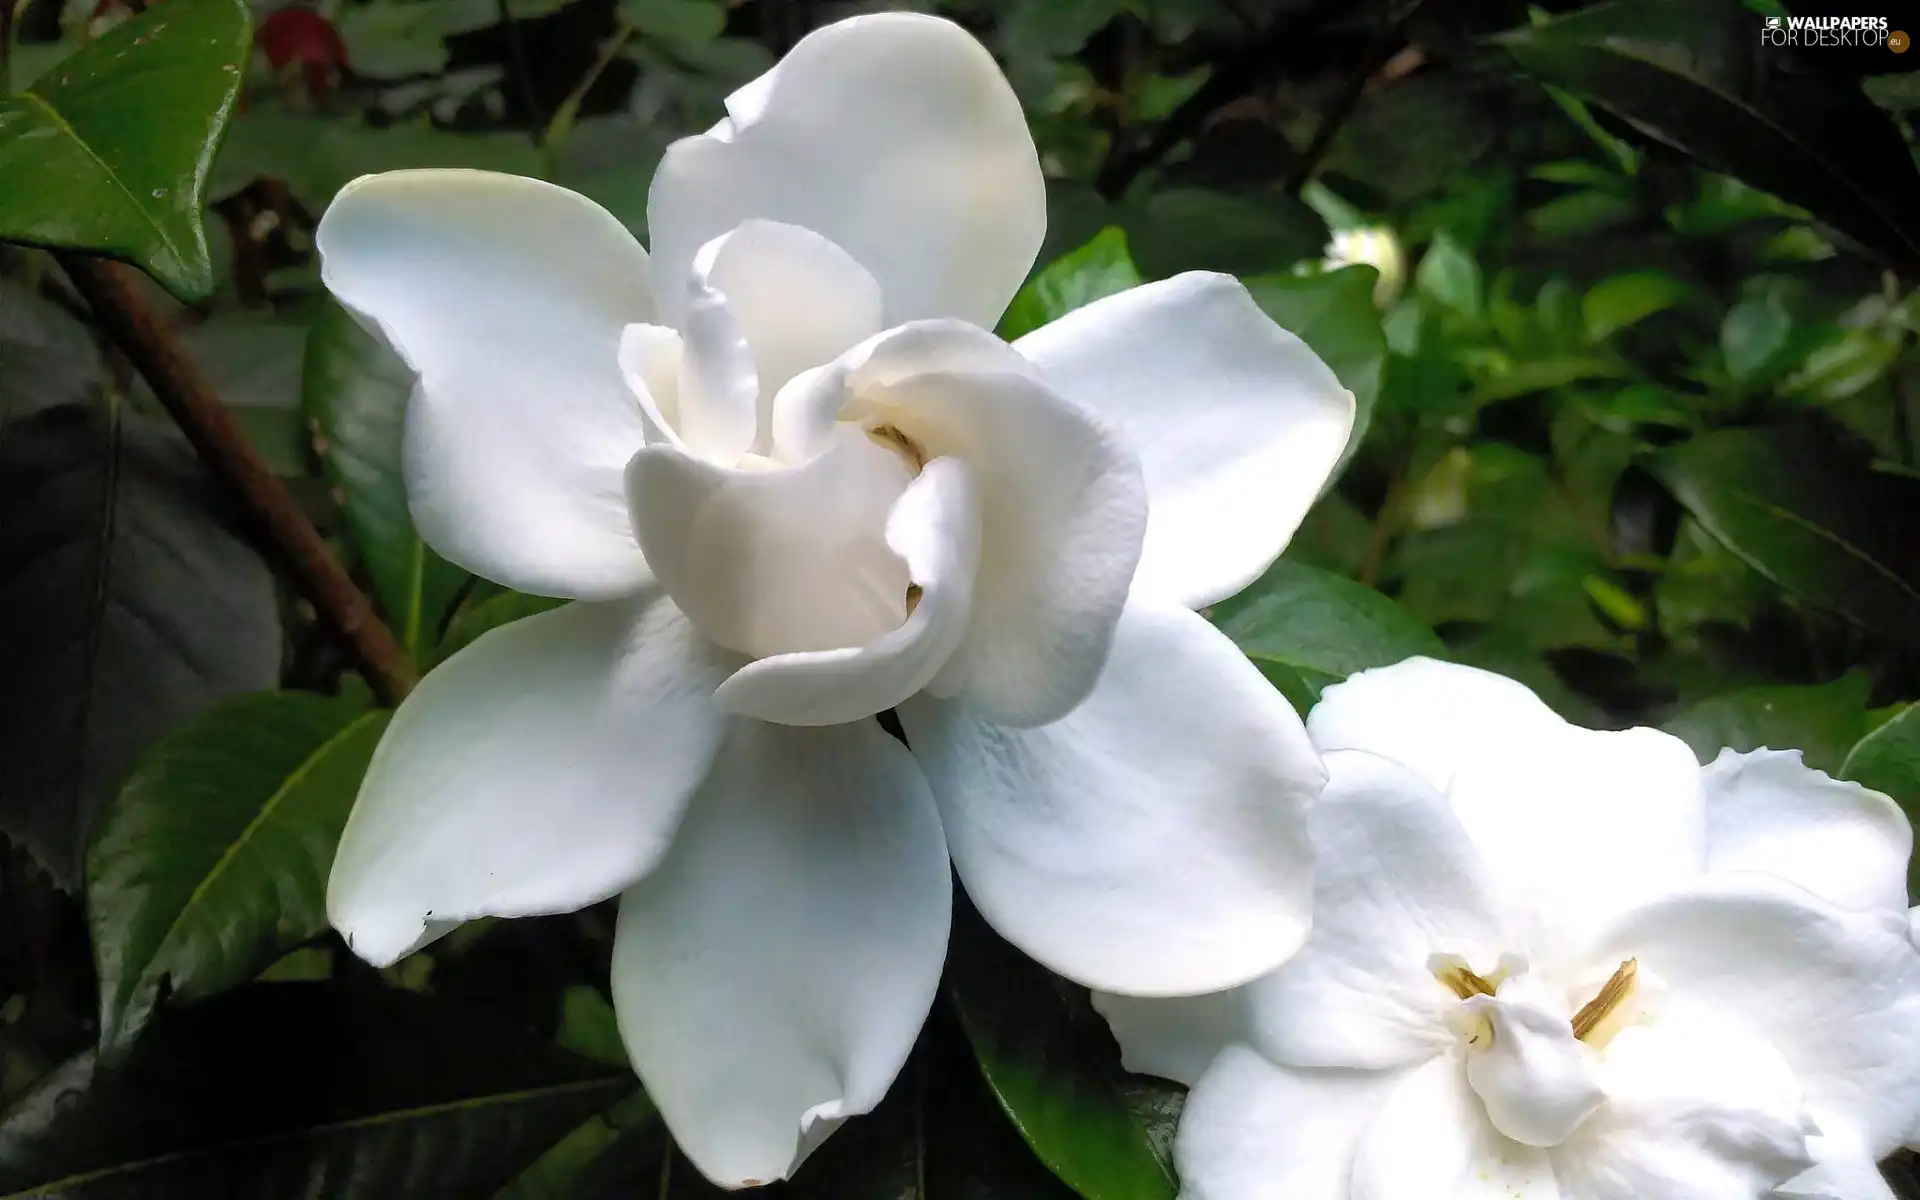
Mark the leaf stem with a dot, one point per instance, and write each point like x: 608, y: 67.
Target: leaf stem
x: 563, y: 116
x: 116, y: 295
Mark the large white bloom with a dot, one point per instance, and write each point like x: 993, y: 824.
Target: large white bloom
x: 792, y: 481
x: 1550, y: 963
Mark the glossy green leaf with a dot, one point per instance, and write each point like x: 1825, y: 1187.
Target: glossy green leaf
x: 110, y: 150
x: 1888, y: 760
x: 678, y: 22
x: 1696, y: 76
x: 1333, y: 312
x: 133, y: 601
x: 1198, y: 229
x: 1320, y: 627
x: 355, y: 392
x: 212, y: 862
x: 1055, y: 1070
x: 1627, y: 299
x: 1823, y: 721
x: 304, y: 1089
x: 1809, y: 514
x: 1098, y: 269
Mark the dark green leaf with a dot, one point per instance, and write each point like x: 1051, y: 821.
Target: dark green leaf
x: 301, y: 1089
x: 1195, y: 229
x: 1334, y: 314
x: 1626, y: 299
x: 1055, y: 1069
x: 1320, y: 626
x: 1823, y: 721
x: 1098, y: 269
x: 110, y: 150
x: 1888, y: 760
x: 355, y: 392
x: 1810, y: 515
x: 1694, y: 76
x: 253, y: 363
x: 133, y: 603
x: 212, y: 862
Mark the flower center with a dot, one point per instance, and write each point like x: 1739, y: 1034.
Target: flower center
x: 908, y: 449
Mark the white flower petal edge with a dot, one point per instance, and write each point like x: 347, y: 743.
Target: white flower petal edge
x: 1396, y: 881
x: 1769, y: 812
x: 1254, y: 1130
x: 1151, y: 842
x: 507, y: 297
x: 539, y: 770
x: 1529, y: 788
x: 894, y: 135
x: 771, y: 976
x: 1174, y: 1037
x: 1238, y: 424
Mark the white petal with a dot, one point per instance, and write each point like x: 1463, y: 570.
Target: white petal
x: 651, y: 357
x: 1152, y: 842
x: 1255, y: 1131
x: 719, y: 401
x: 770, y: 562
x: 539, y: 770
x: 1535, y: 1079
x: 1174, y: 1037
x: 1577, y: 825
x: 1396, y: 883
x: 895, y: 136
x: 1238, y: 424
x: 1842, y: 1170
x: 771, y: 976
x: 507, y: 297
x: 1836, y: 992
x: 1696, y: 1110
x: 935, y: 530
x: 1430, y: 1139
x: 1062, y: 516
x: 1767, y: 811
x: 800, y: 300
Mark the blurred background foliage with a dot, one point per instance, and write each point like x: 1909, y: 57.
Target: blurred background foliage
x: 1625, y: 296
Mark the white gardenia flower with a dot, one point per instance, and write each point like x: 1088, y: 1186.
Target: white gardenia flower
x: 792, y: 481
x: 1373, y: 246
x: 1550, y: 963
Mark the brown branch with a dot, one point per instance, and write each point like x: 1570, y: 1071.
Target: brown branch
x: 1382, y: 55
x: 116, y: 294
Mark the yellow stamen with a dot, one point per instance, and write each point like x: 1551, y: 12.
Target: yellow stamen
x: 1464, y: 982
x: 900, y: 444
x: 1611, y: 994
x: 913, y: 597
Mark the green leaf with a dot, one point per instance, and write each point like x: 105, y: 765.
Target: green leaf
x: 1055, y: 1070
x: 1320, y: 626
x: 1449, y: 277
x: 1809, y: 514
x: 134, y: 602
x: 47, y: 357
x: 304, y: 1089
x: 1753, y: 337
x: 109, y: 152
x: 1198, y: 229
x: 1823, y: 721
x: 1096, y: 270
x: 1334, y: 314
x: 1888, y: 760
x: 1627, y: 299
x: 1695, y: 76
x: 253, y: 363
x: 212, y: 862
x: 679, y: 22
x: 355, y: 392
x: 489, y: 614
